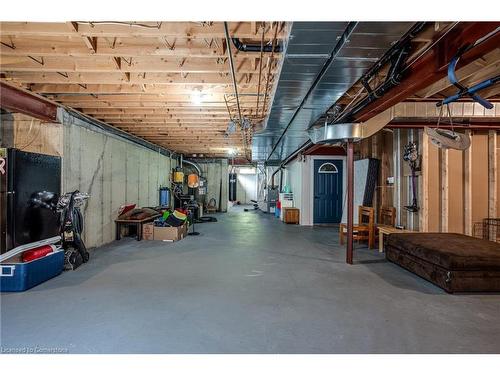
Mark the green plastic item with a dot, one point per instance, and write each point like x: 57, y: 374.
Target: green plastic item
x: 286, y: 189
x: 166, y: 214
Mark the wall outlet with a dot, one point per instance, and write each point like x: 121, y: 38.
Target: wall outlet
x: 390, y: 180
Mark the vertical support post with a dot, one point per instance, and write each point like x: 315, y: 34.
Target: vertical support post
x: 350, y: 200
x: 468, y: 189
x: 424, y: 185
x: 445, y: 189
x: 492, y: 174
x: 397, y: 174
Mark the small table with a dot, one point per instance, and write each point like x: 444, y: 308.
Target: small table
x: 138, y: 224
x: 387, y: 229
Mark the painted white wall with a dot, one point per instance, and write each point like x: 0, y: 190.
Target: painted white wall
x: 246, y: 188
x: 293, y: 178
x: 310, y: 161
x: 300, y: 177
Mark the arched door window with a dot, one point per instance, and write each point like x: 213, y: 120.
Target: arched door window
x: 327, y: 168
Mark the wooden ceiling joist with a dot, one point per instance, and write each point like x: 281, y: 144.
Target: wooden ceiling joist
x: 167, y: 82
x: 61, y: 89
x: 191, y: 30
x: 141, y: 64
x: 113, y: 77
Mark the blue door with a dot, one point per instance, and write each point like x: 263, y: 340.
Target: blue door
x: 327, y: 191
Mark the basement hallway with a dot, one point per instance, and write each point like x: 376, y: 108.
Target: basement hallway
x: 247, y: 284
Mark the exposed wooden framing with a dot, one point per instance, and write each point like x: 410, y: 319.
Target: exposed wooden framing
x: 424, y: 186
x: 177, y: 104
x: 468, y: 189
x: 134, y: 89
x: 492, y: 174
x: 61, y: 48
x: 444, y: 190
x: 397, y: 152
x: 140, y: 77
x: 468, y: 75
x: 171, y: 97
x: 113, y: 77
x: 90, y: 41
x: 191, y: 30
x: 154, y: 64
x: 431, y: 67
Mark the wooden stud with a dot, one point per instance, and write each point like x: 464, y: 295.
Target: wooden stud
x: 444, y: 190
x: 424, y: 185
x: 492, y: 174
x: 468, y: 189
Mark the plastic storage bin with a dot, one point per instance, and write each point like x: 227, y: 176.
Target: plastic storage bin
x: 277, y: 212
x: 17, y: 277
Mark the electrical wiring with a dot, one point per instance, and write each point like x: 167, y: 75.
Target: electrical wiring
x: 143, y: 25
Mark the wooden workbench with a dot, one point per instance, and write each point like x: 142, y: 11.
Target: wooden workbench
x: 387, y: 229
x: 138, y: 223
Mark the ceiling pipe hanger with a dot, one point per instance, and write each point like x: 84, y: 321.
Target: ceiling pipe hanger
x: 464, y: 90
x: 233, y: 75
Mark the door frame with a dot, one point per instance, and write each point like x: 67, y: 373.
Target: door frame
x: 311, y: 160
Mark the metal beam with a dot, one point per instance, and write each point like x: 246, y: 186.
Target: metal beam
x: 467, y: 125
x: 431, y: 66
x: 16, y: 100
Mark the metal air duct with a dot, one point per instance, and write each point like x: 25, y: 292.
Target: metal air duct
x: 333, y: 133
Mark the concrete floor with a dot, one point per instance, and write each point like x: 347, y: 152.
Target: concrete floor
x: 247, y: 284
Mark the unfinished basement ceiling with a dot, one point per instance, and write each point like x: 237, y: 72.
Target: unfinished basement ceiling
x: 167, y: 82
x: 310, y: 46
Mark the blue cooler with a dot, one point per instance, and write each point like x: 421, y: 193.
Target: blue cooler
x: 17, y: 277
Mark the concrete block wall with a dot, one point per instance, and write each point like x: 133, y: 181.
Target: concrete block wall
x: 217, y: 175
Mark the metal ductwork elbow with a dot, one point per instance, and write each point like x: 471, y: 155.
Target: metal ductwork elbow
x: 194, y: 165
x: 334, y: 133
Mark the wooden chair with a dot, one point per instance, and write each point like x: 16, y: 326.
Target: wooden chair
x: 386, y: 217
x: 364, y: 230
x: 385, y: 224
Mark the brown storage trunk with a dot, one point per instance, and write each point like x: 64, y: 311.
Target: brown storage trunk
x: 291, y: 215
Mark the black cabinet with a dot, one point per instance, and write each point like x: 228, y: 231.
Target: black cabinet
x: 24, y: 174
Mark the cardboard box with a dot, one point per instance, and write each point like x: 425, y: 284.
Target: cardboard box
x: 291, y: 215
x: 170, y: 233
x: 148, y: 231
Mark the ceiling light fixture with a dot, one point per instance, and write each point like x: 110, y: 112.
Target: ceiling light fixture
x: 196, y: 97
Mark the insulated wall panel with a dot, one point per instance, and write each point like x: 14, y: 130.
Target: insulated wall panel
x: 113, y: 171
